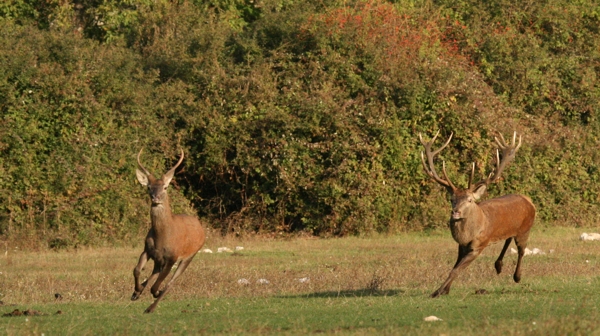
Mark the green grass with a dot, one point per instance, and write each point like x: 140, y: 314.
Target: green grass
x: 357, y: 286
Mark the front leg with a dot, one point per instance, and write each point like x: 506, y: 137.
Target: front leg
x: 160, y: 294
x: 155, y: 272
x: 465, y: 256
x: 137, y: 287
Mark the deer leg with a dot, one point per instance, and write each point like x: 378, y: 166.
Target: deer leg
x: 153, y: 276
x: 498, y: 264
x: 180, y: 269
x: 137, y: 287
x: 466, y: 255
x: 521, y: 245
x: 164, y: 272
x: 461, y: 254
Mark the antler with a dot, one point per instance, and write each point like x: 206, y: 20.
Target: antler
x: 508, y: 154
x: 169, y: 175
x: 140, y: 164
x: 430, y: 170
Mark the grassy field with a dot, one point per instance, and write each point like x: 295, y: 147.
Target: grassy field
x: 348, y: 286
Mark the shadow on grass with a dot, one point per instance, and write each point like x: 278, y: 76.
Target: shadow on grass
x: 347, y: 293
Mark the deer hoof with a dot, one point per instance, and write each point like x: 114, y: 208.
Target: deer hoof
x: 440, y: 292
x: 498, y: 266
x: 149, y: 310
x: 135, y: 296
x: 517, y: 278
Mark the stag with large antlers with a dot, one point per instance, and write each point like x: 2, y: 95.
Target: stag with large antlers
x: 171, y: 239
x: 475, y: 225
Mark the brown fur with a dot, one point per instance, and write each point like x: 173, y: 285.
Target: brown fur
x: 475, y: 226
x: 171, y: 239
x: 497, y: 219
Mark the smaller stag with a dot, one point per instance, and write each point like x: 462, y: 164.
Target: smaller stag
x: 475, y: 225
x: 171, y: 239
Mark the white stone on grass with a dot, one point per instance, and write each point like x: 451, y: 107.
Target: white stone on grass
x: 589, y: 236
x: 534, y: 251
x: 537, y: 251
x: 432, y: 319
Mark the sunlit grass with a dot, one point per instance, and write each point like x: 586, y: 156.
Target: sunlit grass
x: 349, y: 285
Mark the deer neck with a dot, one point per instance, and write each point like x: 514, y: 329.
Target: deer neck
x: 161, y: 216
x: 466, y: 229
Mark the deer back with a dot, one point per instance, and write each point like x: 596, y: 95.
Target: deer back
x: 508, y: 216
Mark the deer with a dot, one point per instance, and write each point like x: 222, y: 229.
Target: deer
x: 476, y: 225
x: 171, y: 239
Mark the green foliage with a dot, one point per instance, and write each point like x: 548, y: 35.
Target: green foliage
x: 293, y: 115
x: 73, y: 115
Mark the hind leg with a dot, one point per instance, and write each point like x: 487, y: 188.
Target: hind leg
x: 521, y: 242
x: 160, y: 294
x: 498, y: 263
x: 164, y: 272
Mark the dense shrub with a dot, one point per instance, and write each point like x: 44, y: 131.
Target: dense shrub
x: 73, y: 115
x: 294, y: 116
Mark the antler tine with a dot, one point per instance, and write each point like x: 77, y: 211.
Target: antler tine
x: 435, y: 136
x: 429, y: 172
x: 429, y: 167
x: 501, y: 143
x: 443, y: 146
x: 140, y: 164
x: 497, y: 160
x: 508, y: 154
x: 446, y: 175
x: 171, y: 172
x: 471, y: 176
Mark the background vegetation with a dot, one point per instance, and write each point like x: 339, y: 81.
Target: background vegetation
x: 294, y: 115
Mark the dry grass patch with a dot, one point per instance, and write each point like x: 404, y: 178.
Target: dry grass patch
x: 346, y: 266
x: 315, y: 283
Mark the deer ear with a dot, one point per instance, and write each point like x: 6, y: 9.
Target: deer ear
x: 479, y: 191
x: 142, y: 178
x: 167, y: 178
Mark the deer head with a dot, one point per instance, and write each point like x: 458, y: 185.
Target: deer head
x: 157, y: 188
x: 464, y: 199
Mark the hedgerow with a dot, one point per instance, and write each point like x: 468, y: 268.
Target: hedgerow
x: 293, y: 116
